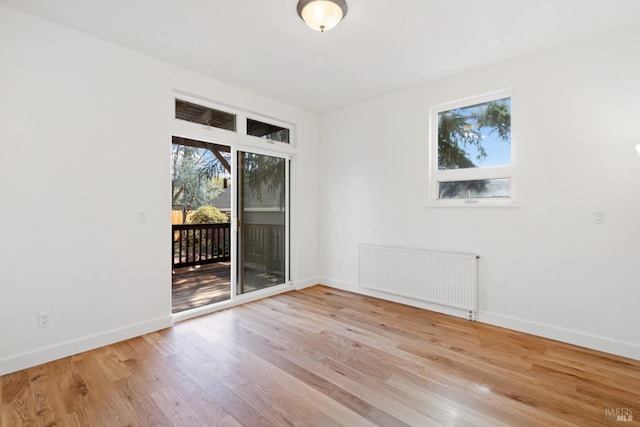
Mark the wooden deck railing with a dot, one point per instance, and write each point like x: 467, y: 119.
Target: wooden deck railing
x: 196, y: 244
x: 265, y: 245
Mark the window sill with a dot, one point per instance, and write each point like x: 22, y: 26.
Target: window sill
x: 473, y: 203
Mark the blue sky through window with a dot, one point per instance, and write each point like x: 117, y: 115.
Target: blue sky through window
x: 498, y: 150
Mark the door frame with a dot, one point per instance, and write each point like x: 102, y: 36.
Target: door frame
x: 238, y: 142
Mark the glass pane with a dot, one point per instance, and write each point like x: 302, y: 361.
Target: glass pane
x: 475, y: 136
x: 267, y: 131
x: 205, y: 115
x: 262, y: 220
x: 476, y: 189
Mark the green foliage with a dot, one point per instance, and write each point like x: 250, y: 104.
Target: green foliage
x: 264, y: 172
x: 467, y: 126
x: 497, y: 115
x: 452, y: 136
x: 192, y: 170
x: 207, y: 215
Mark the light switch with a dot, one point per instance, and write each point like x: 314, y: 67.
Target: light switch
x: 598, y: 217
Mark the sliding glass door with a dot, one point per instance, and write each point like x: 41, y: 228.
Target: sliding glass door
x: 262, y: 221
x: 230, y: 177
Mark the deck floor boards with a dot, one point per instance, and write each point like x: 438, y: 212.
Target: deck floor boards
x: 197, y: 287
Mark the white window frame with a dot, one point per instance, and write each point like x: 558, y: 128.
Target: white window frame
x: 240, y: 134
x: 470, y: 174
x: 271, y: 121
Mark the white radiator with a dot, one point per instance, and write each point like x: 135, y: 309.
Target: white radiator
x: 448, y: 279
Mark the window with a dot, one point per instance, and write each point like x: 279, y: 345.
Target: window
x: 204, y: 115
x: 234, y: 120
x: 472, y: 152
x: 267, y: 131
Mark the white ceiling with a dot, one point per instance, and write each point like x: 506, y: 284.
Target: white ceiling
x: 380, y: 47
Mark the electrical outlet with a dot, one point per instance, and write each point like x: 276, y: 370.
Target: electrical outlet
x: 44, y: 319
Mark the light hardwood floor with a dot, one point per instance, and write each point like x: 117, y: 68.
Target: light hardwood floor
x: 323, y: 357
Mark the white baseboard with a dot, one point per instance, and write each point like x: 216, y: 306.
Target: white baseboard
x: 301, y: 284
x: 69, y: 348
x: 582, y: 339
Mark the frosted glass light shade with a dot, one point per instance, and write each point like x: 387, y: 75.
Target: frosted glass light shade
x: 322, y: 15
x: 638, y: 148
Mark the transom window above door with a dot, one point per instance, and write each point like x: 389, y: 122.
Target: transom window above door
x: 204, y: 115
x: 266, y: 129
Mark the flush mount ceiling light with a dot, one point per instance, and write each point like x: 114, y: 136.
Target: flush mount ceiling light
x: 322, y: 15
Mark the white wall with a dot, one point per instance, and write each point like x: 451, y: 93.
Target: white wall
x: 86, y: 133
x: 545, y: 267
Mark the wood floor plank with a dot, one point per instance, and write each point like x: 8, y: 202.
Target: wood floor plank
x: 330, y: 398
x: 219, y: 393
x: 140, y: 402
x: 324, y: 357
x: 14, y: 386
x: 20, y: 410
x: 45, y: 392
x: 299, y: 403
x: 166, y: 373
x: 227, y: 421
x: 176, y: 409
